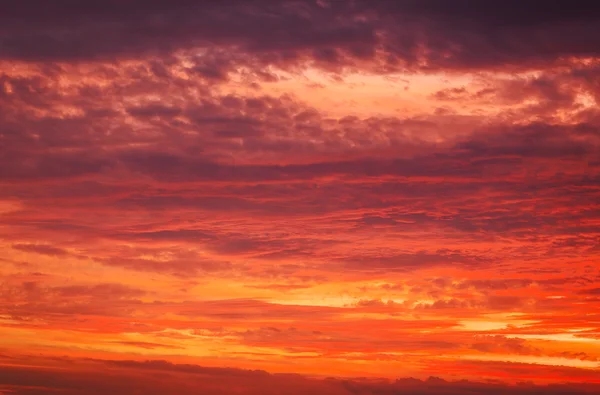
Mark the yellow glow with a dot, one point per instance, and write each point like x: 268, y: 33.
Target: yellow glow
x: 561, y: 337
x: 575, y: 363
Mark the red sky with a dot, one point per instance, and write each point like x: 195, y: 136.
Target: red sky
x: 293, y: 196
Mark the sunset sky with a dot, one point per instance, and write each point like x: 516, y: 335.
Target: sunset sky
x: 299, y: 196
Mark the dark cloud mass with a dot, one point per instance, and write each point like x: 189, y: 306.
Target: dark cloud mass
x: 420, y: 33
x: 124, y: 377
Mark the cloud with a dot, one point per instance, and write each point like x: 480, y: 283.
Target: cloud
x: 40, y: 249
x: 500, y: 344
x: 148, y: 345
x: 591, y: 291
x: 40, y: 301
x: 409, y: 261
x: 105, y: 291
x: 126, y: 375
x: 411, y: 34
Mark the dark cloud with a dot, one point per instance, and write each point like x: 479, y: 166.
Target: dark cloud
x: 501, y: 344
x: 507, y: 302
x: 412, y: 261
x: 495, y: 284
x: 159, y: 377
x: 414, y: 34
x: 591, y: 291
x: 41, y: 249
x: 101, y: 291
x: 71, y: 31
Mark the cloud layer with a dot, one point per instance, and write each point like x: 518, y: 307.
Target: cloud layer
x: 362, y: 188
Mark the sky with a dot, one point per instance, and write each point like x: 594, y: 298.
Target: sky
x: 277, y: 197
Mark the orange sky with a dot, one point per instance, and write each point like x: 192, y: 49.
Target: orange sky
x: 218, y: 198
